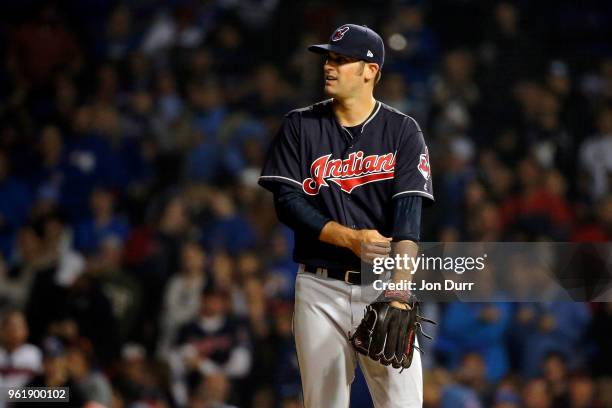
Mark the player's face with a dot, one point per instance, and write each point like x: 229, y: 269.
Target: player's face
x: 343, y: 75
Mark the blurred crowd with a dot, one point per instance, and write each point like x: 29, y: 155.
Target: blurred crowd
x: 140, y: 263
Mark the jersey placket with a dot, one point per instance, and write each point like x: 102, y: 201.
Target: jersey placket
x: 352, y: 139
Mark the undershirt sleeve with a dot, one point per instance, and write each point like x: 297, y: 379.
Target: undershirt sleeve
x: 295, y: 210
x: 407, y: 218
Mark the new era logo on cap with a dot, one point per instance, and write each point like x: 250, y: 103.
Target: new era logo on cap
x: 370, y: 53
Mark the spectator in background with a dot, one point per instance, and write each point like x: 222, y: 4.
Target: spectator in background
x: 546, y: 327
x: 455, y: 94
x: 50, y: 169
x: 89, y: 164
x: 65, y: 102
x: 223, y: 274
x: 243, y: 150
x: 58, y: 240
x: 300, y: 62
x: 260, y: 328
x: 133, y: 381
x: 86, y: 303
x: 107, y: 88
x: 213, y: 392
x: 547, y: 138
x: 29, y: 259
x: 214, y: 342
x: 434, y: 382
x: 507, y: 395
x: 248, y: 265
x: 56, y: 373
x: 413, y: 48
x: 556, y: 377
x: 61, y: 291
x: 203, y: 121
x: 228, y: 230
x: 597, y: 86
x: 128, y: 167
x: 540, y: 209
x: 229, y: 53
x: 123, y: 291
x: 182, y: 295
x: 396, y: 92
x: 168, y: 109
x: 536, y: 394
x: 482, y: 222
x: 455, y: 183
x: 575, y: 110
x: 20, y: 361
x: 91, y: 383
x: 458, y: 395
x: 581, y: 392
x: 161, y: 248
x: 207, y: 108
x: 269, y: 97
x: 16, y: 198
x: 508, y: 51
x: 167, y: 32
x: 604, y: 391
x: 103, y: 223
x: 138, y: 121
x: 597, y: 228
x: 41, y: 47
x: 279, y: 264
x: 61, y: 268
x: 140, y: 74
x: 286, y: 371
x: 172, y: 136
x: 120, y: 38
x: 596, y: 157
x: 472, y: 373
x: 476, y: 327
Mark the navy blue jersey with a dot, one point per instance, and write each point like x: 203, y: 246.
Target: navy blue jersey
x: 351, y: 177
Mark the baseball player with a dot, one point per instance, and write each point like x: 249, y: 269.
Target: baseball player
x: 349, y: 175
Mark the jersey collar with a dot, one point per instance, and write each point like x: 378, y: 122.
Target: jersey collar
x: 373, y: 114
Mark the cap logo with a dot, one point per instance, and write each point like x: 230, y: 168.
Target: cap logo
x: 370, y: 54
x: 340, y: 33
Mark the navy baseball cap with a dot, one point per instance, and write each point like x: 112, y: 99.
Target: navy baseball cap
x: 354, y: 41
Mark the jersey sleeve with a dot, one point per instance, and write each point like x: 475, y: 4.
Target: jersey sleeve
x: 412, y: 169
x: 283, y: 158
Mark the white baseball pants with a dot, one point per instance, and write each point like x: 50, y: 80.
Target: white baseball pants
x: 326, y: 310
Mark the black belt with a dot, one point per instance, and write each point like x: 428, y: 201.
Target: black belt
x: 352, y: 277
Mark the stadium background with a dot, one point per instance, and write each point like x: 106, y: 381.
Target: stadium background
x: 131, y: 138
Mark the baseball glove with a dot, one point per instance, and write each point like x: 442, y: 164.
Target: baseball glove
x: 386, y: 333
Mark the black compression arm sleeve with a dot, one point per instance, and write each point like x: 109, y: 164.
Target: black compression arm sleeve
x: 294, y: 210
x: 407, y: 218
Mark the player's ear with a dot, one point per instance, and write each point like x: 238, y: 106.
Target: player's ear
x: 371, y: 71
